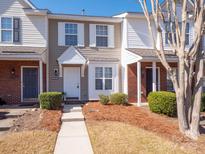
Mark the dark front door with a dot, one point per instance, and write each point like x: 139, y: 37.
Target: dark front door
x: 149, y: 80
x: 30, y: 83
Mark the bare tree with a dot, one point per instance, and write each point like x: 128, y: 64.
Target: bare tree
x: 188, y: 84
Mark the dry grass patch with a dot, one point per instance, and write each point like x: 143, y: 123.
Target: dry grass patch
x: 41, y: 142
x: 120, y: 138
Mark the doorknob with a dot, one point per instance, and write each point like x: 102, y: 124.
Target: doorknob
x: 78, y: 86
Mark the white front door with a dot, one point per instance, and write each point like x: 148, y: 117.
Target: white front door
x: 72, y: 82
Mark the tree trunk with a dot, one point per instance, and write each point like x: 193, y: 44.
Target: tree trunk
x: 195, y: 118
x: 183, y: 124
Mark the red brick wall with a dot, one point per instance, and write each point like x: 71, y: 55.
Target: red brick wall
x: 132, y: 83
x: 132, y: 80
x: 10, y: 85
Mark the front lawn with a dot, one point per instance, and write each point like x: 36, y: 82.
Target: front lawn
x: 136, y: 123
x: 121, y: 138
x: 34, y: 132
x: 28, y: 142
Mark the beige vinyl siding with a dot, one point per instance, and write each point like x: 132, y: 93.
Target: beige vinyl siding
x: 33, y: 28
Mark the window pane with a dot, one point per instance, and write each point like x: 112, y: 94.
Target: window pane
x: 99, y: 84
x: 187, y: 39
x: 108, y: 84
x: 108, y: 72
x: 101, y: 41
x: 71, y: 40
x: 98, y: 72
x: 187, y: 28
x: 71, y: 28
x: 6, y: 36
x: 6, y: 23
x: 101, y: 30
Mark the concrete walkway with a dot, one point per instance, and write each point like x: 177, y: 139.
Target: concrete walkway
x: 73, y: 137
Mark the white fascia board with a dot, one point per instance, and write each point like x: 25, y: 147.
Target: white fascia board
x: 84, y: 18
x: 36, y: 12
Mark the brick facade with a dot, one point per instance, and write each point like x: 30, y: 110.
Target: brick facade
x: 132, y: 80
x: 10, y: 84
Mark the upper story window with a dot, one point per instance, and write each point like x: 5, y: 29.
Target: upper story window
x: 71, y: 34
x: 101, y: 36
x: 168, y: 35
x: 10, y: 29
x: 103, y: 78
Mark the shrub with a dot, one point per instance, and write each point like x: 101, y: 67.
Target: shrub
x: 203, y: 102
x: 50, y: 100
x: 104, y: 99
x: 119, y: 99
x: 163, y: 103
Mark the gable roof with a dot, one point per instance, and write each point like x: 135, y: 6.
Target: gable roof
x: 71, y: 56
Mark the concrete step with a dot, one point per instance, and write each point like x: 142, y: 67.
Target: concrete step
x: 72, y: 108
x: 72, y: 116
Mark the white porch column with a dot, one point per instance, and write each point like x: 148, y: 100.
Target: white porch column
x: 154, y: 77
x: 139, y: 87
x: 41, y: 75
x: 60, y: 71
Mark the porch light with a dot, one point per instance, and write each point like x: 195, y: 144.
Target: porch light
x: 13, y: 71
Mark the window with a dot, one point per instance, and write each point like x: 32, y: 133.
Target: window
x: 168, y: 35
x: 10, y: 29
x: 102, y: 36
x: 71, y: 34
x: 6, y: 29
x: 103, y: 78
x: 170, y: 86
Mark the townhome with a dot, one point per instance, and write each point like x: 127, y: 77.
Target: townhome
x: 84, y: 55
x: 81, y: 56
x: 23, y: 51
x: 142, y: 71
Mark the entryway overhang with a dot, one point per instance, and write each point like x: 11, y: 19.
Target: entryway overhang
x: 71, y: 57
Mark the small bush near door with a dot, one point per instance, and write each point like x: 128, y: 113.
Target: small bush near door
x: 119, y: 99
x: 104, y: 99
x: 163, y: 103
x: 51, y: 100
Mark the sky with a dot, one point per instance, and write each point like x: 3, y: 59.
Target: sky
x: 92, y: 7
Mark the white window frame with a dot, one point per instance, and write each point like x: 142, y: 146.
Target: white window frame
x: 187, y: 33
x: 6, y: 29
x: 103, y: 78
x: 107, y: 36
x: 68, y: 34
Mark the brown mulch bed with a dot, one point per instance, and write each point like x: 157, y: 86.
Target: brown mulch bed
x: 48, y: 120
x: 141, y: 117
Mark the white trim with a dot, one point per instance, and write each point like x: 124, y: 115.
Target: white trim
x: 154, y: 77
x: 40, y: 76
x: 22, y: 67
x: 84, y: 18
x: 139, y: 84
x: 30, y: 4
